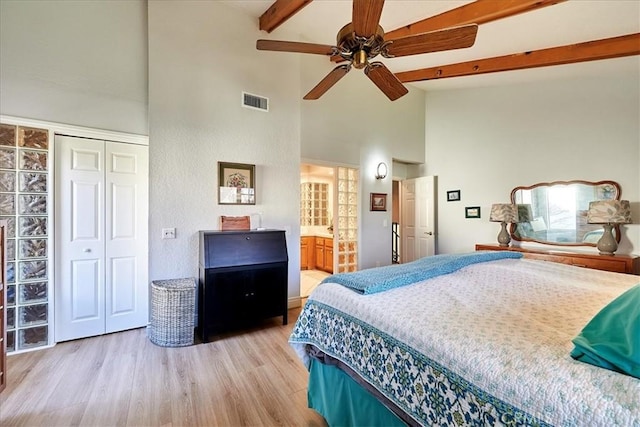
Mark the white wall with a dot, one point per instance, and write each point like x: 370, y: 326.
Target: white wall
x: 355, y: 124
x: 486, y: 141
x: 91, y: 64
x: 202, y: 55
x: 85, y: 63
x: 81, y: 63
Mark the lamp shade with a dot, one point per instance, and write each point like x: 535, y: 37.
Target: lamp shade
x: 609, y: 212
x: 503, y: 212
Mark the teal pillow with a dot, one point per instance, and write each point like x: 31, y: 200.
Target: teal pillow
x: 611, y: 340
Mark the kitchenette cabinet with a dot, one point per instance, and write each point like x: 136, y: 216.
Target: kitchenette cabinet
x: 324, y: 254
x: 307, y: 251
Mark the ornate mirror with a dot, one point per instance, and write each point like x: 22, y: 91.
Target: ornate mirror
x: 555, y: 213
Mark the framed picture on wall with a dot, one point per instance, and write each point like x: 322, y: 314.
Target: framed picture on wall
x: 472, y: 212
x: 378, y: 202
x: 236, y: 184
x: 453, y: 196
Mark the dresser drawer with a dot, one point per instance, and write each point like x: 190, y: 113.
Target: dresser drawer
x: 600, y: 264
x: 629, y: 264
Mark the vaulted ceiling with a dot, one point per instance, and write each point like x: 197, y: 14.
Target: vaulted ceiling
x: 530, y: 39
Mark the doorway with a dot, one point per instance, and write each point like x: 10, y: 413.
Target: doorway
x: 417, y: 218
x: 330, y: 247
x: 317, y: 188
x: 396, y: 253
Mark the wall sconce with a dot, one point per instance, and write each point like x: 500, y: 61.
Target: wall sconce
x: 503, y: 213
x: 608, y: 213
x: 381, y: 170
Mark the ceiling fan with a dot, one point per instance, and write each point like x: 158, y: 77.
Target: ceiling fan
x: 362, y: 40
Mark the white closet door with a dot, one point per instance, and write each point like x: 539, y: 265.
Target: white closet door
x: 101, y: 244
x: 126, y: 236
x: 80, y: 248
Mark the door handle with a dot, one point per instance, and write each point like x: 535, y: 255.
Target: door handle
x: 87, y: 250
x: 430, y: 233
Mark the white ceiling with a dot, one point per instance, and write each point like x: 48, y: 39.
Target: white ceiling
x: 565, y: 23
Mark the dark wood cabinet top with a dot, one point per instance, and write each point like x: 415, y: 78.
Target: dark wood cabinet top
x: 237, y: 248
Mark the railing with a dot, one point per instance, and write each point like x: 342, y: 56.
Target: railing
x: 395, y: 243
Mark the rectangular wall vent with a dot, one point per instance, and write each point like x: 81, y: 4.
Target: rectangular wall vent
x: 254, y: 101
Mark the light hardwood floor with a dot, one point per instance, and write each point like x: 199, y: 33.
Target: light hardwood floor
x: 248, y: 378
x: 309, y: 280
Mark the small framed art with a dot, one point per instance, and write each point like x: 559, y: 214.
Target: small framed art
x: 378, y: 202
x: 236, y: 184
x: 472, y: 212
x: 453, y: 196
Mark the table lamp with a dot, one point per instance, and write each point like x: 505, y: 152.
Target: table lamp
x: 504, y: 213
x: 608, y: 213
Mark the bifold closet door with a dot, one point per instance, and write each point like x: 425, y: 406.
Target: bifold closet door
x: 101, y: 237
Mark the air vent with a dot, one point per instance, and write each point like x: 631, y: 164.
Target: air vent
x: 254, y: 101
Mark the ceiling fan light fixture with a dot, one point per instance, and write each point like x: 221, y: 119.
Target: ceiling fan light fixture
x: 360, y: 59
x: 362, y: 40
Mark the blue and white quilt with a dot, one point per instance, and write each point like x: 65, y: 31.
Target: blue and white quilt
x: 487, y: 345
x: 381, y: 279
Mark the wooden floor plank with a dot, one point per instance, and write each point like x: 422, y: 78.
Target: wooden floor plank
x: 243, y: 378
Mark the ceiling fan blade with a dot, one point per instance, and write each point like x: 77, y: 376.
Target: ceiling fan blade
x: 329, y: 80
x: 435, y: 41
x: 299, y: 47
x: 366, y: 16
x: 385, y: 80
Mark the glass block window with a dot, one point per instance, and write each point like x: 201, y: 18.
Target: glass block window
x: 347, y: 219
x: 25, y: 204
x: 314, y: 203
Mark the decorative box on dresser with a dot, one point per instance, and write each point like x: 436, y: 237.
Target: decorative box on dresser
x: 243, y: 278
x: 629, y: 264
x: 3, y: 305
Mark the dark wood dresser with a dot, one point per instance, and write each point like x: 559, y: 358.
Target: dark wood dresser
x: 629, y: 264
x: 243, y: 278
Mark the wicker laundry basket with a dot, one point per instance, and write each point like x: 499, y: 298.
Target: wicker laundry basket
x: 172, y: 312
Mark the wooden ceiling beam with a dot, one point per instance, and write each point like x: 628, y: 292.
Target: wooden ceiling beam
x: 279, y: 12
x: 614, y: 47
x: 478, y: 12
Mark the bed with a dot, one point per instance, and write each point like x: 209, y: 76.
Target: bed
x: 488, y: 343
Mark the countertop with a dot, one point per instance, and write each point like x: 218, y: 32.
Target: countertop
x: 325, y: 235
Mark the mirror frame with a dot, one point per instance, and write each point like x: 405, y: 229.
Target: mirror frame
x: 513, y: 226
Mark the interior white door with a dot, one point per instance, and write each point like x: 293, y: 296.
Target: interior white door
x: 425, y: 216
x: 79, y: 248
x: 101, y: 245
x: 408, y: 221
x: 417, y: 218
x: 126, y: 231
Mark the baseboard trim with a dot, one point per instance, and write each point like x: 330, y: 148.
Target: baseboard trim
x: 294, y: 302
